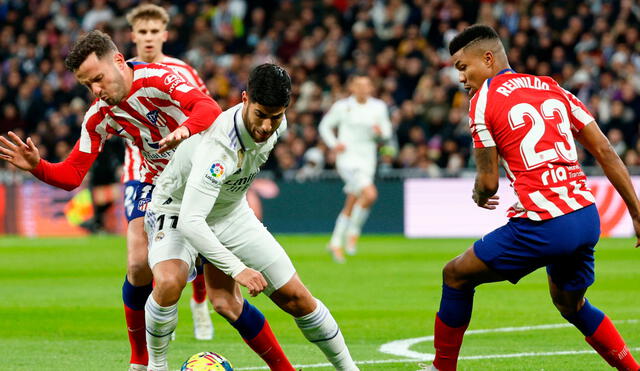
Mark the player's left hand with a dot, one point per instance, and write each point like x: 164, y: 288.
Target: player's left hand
x: 490, y: 203
x: 172, y: 140
x: 377, y: 131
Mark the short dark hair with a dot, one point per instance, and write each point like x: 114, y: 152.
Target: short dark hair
x: 92, y: 42
x: 269, y: 85
x: 471, y: 34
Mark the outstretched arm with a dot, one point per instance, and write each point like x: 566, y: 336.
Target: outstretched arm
x: 67, y: 174
x: 594, y: 141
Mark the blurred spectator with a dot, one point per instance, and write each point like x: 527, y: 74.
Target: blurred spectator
x: 590, y: 48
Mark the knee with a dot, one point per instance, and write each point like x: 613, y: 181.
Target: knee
x: 566, y: 308
x: 370, y: 195
x: 452, y: 277
x: 169, y: 289
x: 139, y: 272
x: 299, y: 304
x: 227, y: 306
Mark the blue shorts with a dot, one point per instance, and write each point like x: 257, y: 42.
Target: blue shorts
x: 137, y: 196
x: 565, y: 245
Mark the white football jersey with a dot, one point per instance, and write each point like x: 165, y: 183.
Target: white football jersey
x: 355, y: 122
x: 223, y: 159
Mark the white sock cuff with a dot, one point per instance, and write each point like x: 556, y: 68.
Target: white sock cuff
x: 315, y: 318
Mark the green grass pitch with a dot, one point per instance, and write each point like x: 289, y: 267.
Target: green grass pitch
x: 61, y: 308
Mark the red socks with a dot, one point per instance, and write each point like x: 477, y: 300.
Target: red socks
x: 267, y: 347
x: 199, y: 289
x: 447, y: 341
x: 137, y: 335
x: 610, y: 345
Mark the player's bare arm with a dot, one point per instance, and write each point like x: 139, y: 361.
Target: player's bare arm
x: 594, y: 141
x: 486, y: 184
x: 24, y: 156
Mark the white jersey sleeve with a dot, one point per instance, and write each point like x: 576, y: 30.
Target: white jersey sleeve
x: 213, y: 162
x: 329, y: 123
x: 385, y: 122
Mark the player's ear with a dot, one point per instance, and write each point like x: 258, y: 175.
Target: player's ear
x: 245, y: 97
x: 488, y: 58
x: 165, y: 36
x: 118, y: 58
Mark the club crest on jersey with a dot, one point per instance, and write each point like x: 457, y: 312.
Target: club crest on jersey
x: 142, y: 204
x: 159, y: 236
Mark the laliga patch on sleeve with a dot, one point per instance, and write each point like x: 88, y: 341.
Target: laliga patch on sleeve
x: 216, y: 171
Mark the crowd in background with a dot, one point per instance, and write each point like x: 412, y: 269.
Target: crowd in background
x: 592, y: 48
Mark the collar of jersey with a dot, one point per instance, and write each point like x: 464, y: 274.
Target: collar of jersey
x: 246, y: 141
x: 506, y: 70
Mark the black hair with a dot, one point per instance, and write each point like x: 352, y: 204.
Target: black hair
x: 471, y: 34
x: 269, y: 85
x: 92, y: 42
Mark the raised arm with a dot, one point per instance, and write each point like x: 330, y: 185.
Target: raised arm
x: 67, y: 174
x: 594, y: 141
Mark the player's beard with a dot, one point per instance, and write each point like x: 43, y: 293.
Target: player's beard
x: 119, y: 88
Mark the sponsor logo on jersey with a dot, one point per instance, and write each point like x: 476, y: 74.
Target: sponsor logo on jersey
x: 215, y: 173
x: 217, y: 170
x: 173, y: 80
x: 154, y: 145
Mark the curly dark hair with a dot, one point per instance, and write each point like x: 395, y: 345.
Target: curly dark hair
x: 470, y: 35
x: 92, y: 42
x: 269, y: 85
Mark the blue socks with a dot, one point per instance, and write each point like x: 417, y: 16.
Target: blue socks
x: 587, y: 319
x: 135, y: 297
x: 455, y: 306
x: 250, y: 322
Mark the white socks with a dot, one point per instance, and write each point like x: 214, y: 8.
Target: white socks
x: 320, y: 328
x: 359, y: 216
x: 339, y: 231
x: 160, y: 324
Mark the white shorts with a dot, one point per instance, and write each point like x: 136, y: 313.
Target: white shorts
x: 240, y: 232
x: 355, y: 178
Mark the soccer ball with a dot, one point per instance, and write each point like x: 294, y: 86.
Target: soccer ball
x: 206, y: 361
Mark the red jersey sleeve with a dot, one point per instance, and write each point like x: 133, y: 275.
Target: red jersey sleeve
x: 69, y: 173
x: 479, y: 119
x: 203, y: 110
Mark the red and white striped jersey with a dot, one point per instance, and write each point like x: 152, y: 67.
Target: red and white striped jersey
x: 531, y: 121
x: 133, y: 158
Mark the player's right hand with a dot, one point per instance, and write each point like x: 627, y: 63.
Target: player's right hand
x: 636, y: 227
x: 24, y: 156
x: 339, y: 148
x: 252, y: 280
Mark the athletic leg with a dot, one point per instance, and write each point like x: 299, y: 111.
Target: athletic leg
x: 460, y: 277
x: 250, y: 323
x: 162, y: 310
x: 597, y: 328
x: 359, y: 216
x: 338, y: 238
x: 315, y: 321
x: 136, y: 289
x: 202, y: 325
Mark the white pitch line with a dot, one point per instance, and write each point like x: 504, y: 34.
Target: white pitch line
x: 427, y: 357
x: 488, y: 356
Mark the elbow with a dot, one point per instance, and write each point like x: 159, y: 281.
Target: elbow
x: 183, y: 226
